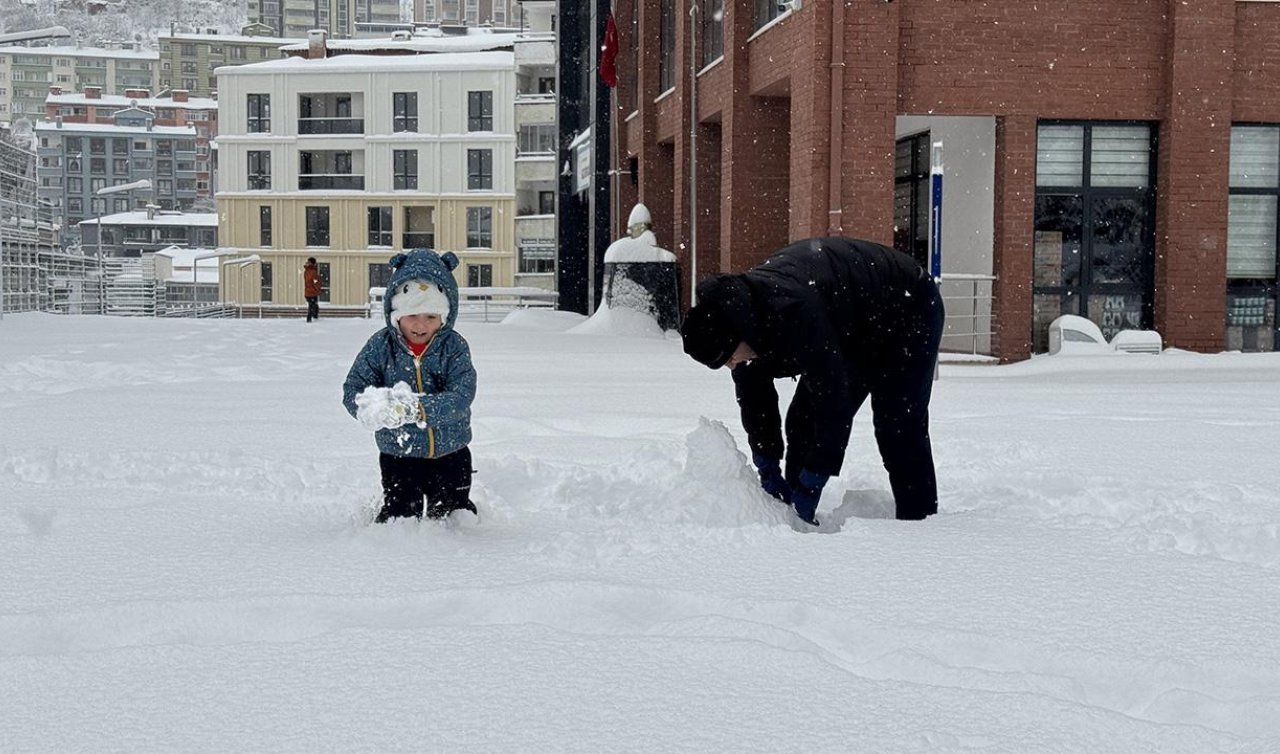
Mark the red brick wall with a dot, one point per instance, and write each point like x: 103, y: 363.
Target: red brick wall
x: 1189, y: 66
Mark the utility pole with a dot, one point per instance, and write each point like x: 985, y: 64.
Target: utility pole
x: 693, y: 153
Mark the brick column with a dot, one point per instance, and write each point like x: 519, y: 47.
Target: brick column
x: 1193, y: 179
x: 1014, y: 233
x: 870, y: 103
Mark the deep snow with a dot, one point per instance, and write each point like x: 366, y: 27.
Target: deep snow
x: 183, y: 565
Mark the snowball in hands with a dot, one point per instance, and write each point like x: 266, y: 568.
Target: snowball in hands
x: 387, y: 407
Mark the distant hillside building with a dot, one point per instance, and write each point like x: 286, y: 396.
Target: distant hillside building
x: 176, y: 109
x: 188, y: 59
x: 79, y: 159
x: 27, y: 72
x: 467, y: 12
x: 337, y: 18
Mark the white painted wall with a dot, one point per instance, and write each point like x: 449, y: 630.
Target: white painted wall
x: 968, y: 209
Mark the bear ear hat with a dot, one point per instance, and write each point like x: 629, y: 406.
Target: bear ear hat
x: 450, y: 260
x: 398, y: 260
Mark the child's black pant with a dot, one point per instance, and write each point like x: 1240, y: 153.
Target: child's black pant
x: 445, y: 482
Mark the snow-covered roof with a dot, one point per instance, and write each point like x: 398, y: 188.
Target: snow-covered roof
x: 461, y: 61
x: 233, y: 38
x: 114, y: 100
x: 202, y: 219
x: 430, y: 40
x: 108, y: 129
x: 83, y: 52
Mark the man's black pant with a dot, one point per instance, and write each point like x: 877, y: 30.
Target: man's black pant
x: 445, y: 482
x: 900, y: 383
x: 313, y: 307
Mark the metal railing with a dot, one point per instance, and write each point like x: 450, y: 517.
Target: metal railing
x: 968, y: 299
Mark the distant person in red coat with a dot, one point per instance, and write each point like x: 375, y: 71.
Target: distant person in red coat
x: 311, y: 288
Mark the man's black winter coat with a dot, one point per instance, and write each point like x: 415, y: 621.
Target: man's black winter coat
x: 849, y: 318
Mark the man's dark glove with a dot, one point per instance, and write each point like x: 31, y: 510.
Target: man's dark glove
x: 806, y: 493
x: 771, y: 480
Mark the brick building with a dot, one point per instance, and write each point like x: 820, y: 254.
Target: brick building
x: 1117, y: 159
x: 177, y: 109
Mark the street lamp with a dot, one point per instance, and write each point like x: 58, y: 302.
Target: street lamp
x: 122, y: 188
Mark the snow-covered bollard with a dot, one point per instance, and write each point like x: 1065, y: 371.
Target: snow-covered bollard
x: 642, y: 276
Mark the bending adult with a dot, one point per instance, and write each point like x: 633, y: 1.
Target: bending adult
x: 851, y: 319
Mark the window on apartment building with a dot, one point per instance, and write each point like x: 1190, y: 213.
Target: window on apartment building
x: 667, y: 45
x: 766, y: 11
x: 404, y: 169
x: 164, y: 167
x: 75, y: 204
x: 266, y: 285
x: 120, y: 165
x: 75, y: 185
x: 317, y: 226
x: 538, y: 138
x: 238, y: 53
x: 188, y: 51
x: 1094, y: 243
x: 546, y: 202
x: 404, y: 111
x: 500, y: 13
x: 380, y: 226
x: 164, y: 148
x: 471, y: 11
x: 537, y: 256
x: 189, y: 84
x: 264, y: 225
x: 419, y: 228
x: 1253, y: 236
x: 479, y: 227
x: 97, y: 166
x: 120, y: 205
x: 479, y: 169
x: 379, y: 274
x: 120, y: 146
x: 98, y: 206
x: 712, y: 40
x: 479, y: 275
x: 480, y: 111
x: 259, y: 113
x: 97, y: 146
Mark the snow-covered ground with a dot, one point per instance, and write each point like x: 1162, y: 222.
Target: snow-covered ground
x: 182, y: 566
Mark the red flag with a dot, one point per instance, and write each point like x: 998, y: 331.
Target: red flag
x: 609, y: 53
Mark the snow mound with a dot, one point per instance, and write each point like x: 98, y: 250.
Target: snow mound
x: 543, y: 319
x: 622, y: 322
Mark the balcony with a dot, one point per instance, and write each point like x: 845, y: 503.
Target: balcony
x: 533, y: 168
x: 535, y: 228
x: 535, y: 108
x: 535, y: 50
x: 328, y: 126
x: 330, y: 113
x: 322, y: 181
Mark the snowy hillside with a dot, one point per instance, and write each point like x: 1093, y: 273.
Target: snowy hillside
x: 99, y: 21
x: 184, y: 566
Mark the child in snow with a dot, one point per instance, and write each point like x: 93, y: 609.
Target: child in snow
x: 413, y: 383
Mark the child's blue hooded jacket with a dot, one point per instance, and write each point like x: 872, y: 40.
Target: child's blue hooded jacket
x: 443, y: 376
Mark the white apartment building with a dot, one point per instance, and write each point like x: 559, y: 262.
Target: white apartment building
x: 351, y: 158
